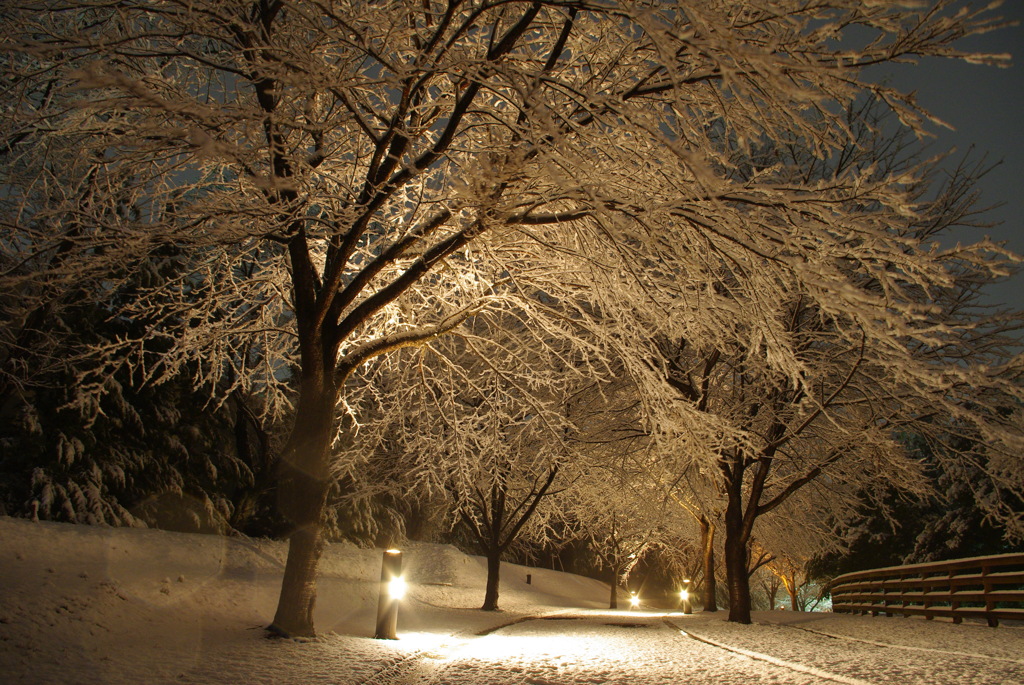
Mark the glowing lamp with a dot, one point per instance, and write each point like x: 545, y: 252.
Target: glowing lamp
x: 684, y: 596
x: 397, y: 587
x: 634, y: 601
x: 392, y: 589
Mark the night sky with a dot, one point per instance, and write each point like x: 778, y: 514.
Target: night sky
x: 985, y: 106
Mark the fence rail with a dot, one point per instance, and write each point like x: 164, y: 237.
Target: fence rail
x: 991, y: 588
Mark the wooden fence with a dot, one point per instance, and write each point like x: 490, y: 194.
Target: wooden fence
x: 991, y: 588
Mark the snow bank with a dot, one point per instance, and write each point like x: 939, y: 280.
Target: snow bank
x: 91, y: 604
x: 82, y: 604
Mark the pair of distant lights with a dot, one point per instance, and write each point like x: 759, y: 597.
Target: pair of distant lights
x: 684, y: 594
x: 634, y: 601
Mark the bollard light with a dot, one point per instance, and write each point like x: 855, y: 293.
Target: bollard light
x: 684, y: 595
x: 392, y: 589
x: 396, y: 588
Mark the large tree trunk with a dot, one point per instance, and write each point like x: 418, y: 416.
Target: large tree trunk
x: 736, y: 562
x: 707, y: 536
x: 739, y: 583
x: 493, y: 575
x: 294, y: 617
x: 303, y: 486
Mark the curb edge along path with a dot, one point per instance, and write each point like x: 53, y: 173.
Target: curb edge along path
x: 799, y: 668
x: 909, y: 648
x: 850, y: 659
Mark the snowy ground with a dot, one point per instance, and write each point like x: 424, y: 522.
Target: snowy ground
x: 98, y: 605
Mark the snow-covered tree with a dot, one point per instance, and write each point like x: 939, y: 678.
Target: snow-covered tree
x: 792, y: 575
x: 797, y: 396
x: 164, y: 456
x: 617, y: 512
x: 483, y: 418
x: 314, y: 175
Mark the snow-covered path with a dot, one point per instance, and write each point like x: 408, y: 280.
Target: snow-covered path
x: 597, y: 647
x: 92, y: 605
x: 642, y: 648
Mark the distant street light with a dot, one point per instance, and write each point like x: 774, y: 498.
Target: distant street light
x: 634, y: 601
x: 684, y: 595
x: 392, y: 589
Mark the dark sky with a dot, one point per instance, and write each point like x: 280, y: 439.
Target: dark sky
x: 985, y: 105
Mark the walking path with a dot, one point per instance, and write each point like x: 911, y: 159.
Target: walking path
x: 641, y: 648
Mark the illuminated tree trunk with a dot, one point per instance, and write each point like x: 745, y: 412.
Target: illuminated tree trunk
x: 294, y: 617
x: 493, y: 580
x: 304, y: 481
x: 739, y: 582
x: 792, y: 588
x: 737, y: 535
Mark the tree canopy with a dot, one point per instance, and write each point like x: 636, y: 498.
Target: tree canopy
x: 275, y: 194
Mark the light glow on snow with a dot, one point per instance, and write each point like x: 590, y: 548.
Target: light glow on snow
x: 619, y: 614
x: 501, y: 648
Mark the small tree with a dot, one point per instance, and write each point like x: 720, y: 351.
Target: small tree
x: 770, y: 584
x: 625, y: 515
x: 793, y: 577
x: 484, y: 419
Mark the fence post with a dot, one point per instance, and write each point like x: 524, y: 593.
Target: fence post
x: 879, y: 600
x: 953, y: 603
x: 903, y: 594
x: 926, y: 588
x: 986, y: 589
